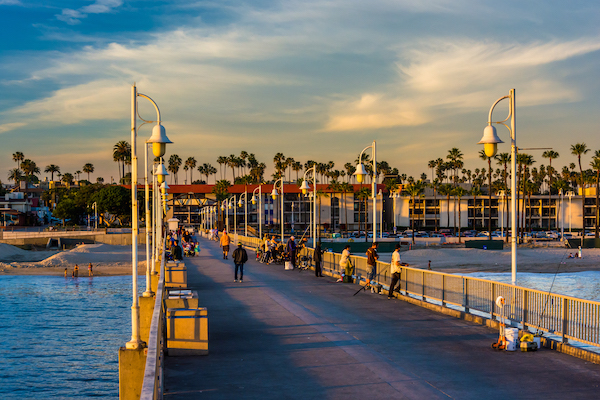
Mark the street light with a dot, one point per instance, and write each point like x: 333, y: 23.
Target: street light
x: 95, y: 208
x: 562, y: 215
x: 245, y: 204
x: 570, y: 195
x: 136, y: 342
x: 160, y: 173
x: 490, y: 142
x: 274, y: 195
x: 253, y: 200
x: 360, y: 176
x: 305, y: 188
x: 380, y: 194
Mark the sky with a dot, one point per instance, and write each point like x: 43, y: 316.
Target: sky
x: 311, y: 79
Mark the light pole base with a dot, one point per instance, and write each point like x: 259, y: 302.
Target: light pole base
x: 148, y: 293
x: 135, y: 345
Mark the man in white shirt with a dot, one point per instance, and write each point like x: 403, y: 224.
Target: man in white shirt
x: 395, y: 270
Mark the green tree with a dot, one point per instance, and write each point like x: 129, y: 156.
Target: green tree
x: 66, y: 209
x: 459, y: 192
x: 114, y: 200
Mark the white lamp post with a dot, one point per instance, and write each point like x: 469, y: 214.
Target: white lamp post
x: 380, y: 195
x: 305, y: 188
x: 490, y: 142
x: 160, y: 173
x: 136, y: 342
x: 360, y: 176
x: 570, y: 195
x: 259, y: 188
x: 245, y: 204
x: 562, y: 215
x: 95, y: 207
x: 274, y: 195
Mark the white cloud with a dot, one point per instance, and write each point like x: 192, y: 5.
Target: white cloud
x: 73, y: 17
x: 11, y: 126
x: 10, y: 3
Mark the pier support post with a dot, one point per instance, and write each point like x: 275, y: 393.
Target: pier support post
x: 131, y: 372
x: 146, y: 310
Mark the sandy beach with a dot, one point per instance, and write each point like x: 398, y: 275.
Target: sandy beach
x: 116, y: 260
x: 106, y: 260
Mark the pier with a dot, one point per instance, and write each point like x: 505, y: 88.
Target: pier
x: 288, y: 334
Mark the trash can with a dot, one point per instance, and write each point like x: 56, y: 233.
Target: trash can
x: 187, y: 331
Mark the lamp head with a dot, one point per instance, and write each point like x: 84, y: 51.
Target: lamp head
x: 490, y: 141
x: 360, y: 173
x: 160, y: 173
x: 222, y: 207
x: 274, y: 193
x: 253, y: 200
x: 159, y: 140
x: 240, y: 203
x: 304, y: 187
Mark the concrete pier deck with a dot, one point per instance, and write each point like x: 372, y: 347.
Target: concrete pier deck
x: 290, y: 335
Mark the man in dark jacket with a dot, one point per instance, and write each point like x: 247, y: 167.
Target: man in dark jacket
x: 239, y: 258
x: 291, y: 250
x: 317, y: 258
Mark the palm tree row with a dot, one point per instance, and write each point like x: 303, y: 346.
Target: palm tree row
x: 27, y: 170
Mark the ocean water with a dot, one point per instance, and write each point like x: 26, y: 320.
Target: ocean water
x: 60, y: 336
x: 583, y: 285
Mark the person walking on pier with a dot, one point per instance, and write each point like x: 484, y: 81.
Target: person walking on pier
x: 318, y: 256
x: 372, y: 257
x: 225, y: 240
x: 239, y: 259
x: 395, y: 270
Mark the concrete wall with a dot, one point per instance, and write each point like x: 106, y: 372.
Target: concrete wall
x: 119, y: 239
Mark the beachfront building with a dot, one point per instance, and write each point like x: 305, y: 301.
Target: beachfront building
x: 347, y: 212
x: 336, y: 211
x: 541, y: 212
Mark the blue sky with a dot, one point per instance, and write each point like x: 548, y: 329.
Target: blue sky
x: 311, y: 79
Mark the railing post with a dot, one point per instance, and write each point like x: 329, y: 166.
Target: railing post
x: 525, y: 305
x: 493, y: 301
x: 565, y: 319
x: 465, y: 295
x: 444, y: 290
x: 423, y: 285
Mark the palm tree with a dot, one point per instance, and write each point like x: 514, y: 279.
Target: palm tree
x: 16, y: 175
x: 577, y: 150
x: 550, y: 155
x: 363, y: 194
x: 232, y: 163
x: 350, y: 170
x: 77, y: 173
x: 174, y: 164
x: 221, y: 160
x: 121, y: 152
x: 18, y: 157
x: 414, y: 190
x: 595, y: 164
x: 503, y: 159
x: 279, y: 161
x: 243, y: 156
x: 53, y: 169
x: 88, y: 169
x: 435, y: 184
x: 345, y: 187
x: 297, y: 167
x: 191, y: 164
x: 67, y: 178
x: 475, y: 192
x: 460, y: 192
x: 29, y: 168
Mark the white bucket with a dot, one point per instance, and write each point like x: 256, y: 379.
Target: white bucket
x: 512, y: 338
x: 538, y: 340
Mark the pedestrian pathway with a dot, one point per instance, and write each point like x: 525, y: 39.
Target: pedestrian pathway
x: 290, y: 335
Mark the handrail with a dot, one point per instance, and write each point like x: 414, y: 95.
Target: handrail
x: 566, y: 316
x: 152, y: 384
